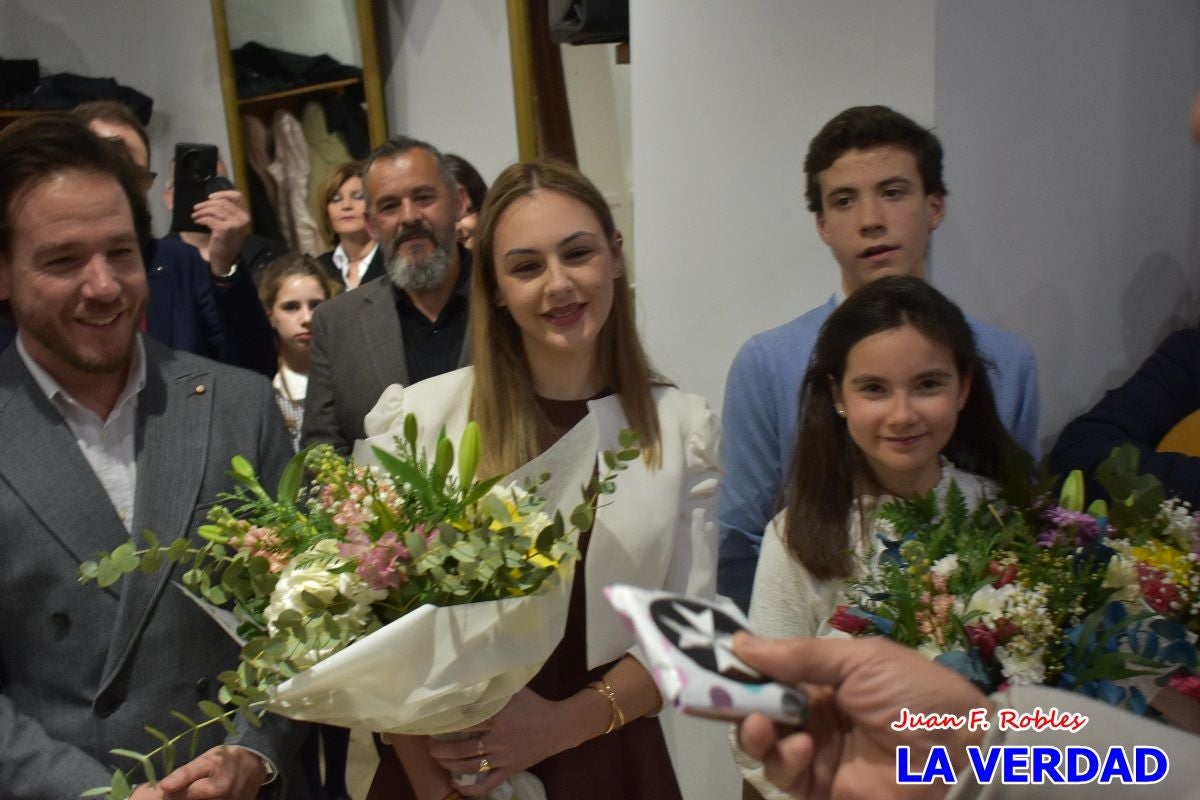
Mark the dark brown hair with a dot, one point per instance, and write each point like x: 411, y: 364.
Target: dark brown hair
x: 827, y: 468
x: 863, y: 127
x: 36, y: 148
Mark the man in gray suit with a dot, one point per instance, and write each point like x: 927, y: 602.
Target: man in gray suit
x: 106, y: 433
x: 408, y: 325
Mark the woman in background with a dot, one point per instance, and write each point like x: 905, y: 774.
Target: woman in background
x: 473, y: 184
x: 355, y: 258
x: 291, y: 287
x: 554, y: 338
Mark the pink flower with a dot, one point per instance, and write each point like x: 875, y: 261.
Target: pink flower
x: 356, y: 545
x: 351, y: 513
x: 1185, y: 684
x: 846, y: 622
x: 264, y: 542
x: 377, y: 561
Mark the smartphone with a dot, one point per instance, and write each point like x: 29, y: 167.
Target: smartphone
x: 195, y: 166
x: 689, y: 643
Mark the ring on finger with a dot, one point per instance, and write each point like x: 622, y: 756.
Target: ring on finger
x: 484, y: 767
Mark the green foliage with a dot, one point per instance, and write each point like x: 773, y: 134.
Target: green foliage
x: 463, y: 540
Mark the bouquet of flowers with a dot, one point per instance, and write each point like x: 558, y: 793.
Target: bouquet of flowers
x: 327, y: 582
x: 1050, y: 595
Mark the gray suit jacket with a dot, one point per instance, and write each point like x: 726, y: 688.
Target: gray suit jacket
x: 357, y: 352
x: 83, y: 669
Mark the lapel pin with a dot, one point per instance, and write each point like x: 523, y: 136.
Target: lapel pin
x: 201, y: 388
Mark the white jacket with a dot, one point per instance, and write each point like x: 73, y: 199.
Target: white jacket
x: 658, y: 531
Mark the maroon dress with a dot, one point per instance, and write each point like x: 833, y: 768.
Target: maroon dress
x: 628, y: 764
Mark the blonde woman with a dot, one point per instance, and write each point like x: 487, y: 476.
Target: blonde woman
x: 553, y: 333
x: 355, y: 257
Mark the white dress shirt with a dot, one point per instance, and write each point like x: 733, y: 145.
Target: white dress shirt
x: 342, y: 262
x: 107, y: 444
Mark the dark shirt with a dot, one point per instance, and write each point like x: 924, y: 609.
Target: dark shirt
x: 190, y: 310
x: 432, y: 347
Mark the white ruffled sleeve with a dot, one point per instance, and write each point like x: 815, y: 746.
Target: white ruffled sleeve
x: 693, y: 566
x: 383, y: 423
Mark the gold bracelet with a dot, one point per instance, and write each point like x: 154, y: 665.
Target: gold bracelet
x: 617, y: 721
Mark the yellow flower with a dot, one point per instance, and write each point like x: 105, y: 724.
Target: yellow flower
x: 1173, y: 562
x: 538, y: 560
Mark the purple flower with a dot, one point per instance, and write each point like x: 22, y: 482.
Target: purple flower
x: 1085, y: 528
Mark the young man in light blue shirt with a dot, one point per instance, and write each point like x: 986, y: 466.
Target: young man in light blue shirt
x: 874, y: 182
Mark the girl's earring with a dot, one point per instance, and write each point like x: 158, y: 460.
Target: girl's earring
x: 841, y: 412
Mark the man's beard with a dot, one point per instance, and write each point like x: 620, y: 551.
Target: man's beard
x: 419, y: 276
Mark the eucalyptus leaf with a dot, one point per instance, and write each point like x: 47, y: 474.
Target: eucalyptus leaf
x: 151, y: 561
x: 147, y: 764
x: 178, y: 549
x: 106, y: 573
x: 582, y: 517
x: 121, y: 788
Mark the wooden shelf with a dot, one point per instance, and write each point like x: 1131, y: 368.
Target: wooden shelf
x: 314, y: 88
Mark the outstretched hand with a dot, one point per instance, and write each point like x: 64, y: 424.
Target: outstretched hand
x: 857, y: 687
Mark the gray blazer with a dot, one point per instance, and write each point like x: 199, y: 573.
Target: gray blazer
x: 83, y: 669
x: 357, y: 352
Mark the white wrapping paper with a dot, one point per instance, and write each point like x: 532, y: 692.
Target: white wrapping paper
x: 437, y: 670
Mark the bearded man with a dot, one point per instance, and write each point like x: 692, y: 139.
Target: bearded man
x: 407, y: 325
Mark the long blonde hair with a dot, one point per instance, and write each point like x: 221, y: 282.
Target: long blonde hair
x: 502, y: 401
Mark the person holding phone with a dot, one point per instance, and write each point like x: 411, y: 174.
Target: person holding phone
x: 220, y: 219
x: 195, y: 305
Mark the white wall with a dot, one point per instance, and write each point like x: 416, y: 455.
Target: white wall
x: 451, y: 80
x: 1074, y: 215
x: 309, y: 27
x: 164, y: 50
x: 598, y: 91
x: 726, y: 97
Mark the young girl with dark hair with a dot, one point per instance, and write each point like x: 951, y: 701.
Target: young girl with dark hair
x: 896, y: 402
